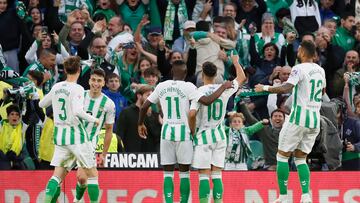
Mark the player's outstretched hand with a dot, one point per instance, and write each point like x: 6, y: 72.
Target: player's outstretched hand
x: 259, y: 88
x: 227, y: 84
x: 142, y: 131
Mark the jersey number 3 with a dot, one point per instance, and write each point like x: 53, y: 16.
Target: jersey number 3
x: 63, y: 115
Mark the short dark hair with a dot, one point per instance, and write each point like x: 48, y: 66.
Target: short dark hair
x: 345, y: 15
x: 231, y: 4
x: 93, y: 39
x: 179, y: 63
x: 309, y: 48
x: 203, y: 26
x: 38, y: 76
x: 13, y: 108
x: 151, y: 72
x: 270, y: 44
x: 72, y: 65
x: 277, y: 110
x: 308, y: 33
x: 99, y: 72
x: 111, y: 76
x: 46, y: 52
x: 209, y: 69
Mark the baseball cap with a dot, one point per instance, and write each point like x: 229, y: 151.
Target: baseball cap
x: 189, y: 24
x: 154, y: 30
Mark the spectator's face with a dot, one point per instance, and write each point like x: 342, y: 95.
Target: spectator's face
x: 267, y: 26
x: 80, y: 17
x: 357, y: 109
x: 284, y: 73
x: 14, y: 118
x: 322, y: 37
x: 331, y: 26
x: 131, y: 54
x: 357, y: 35
x: 132, y: 3
x: 98, y: 47
x: 33, y: 3
x: 114, y: 27
x: 176, y: 56
x: 236, y: 123
x: 326, y: 4
x: 36, y: 30
x: 35, y: 15
x: 144, y: 64
x: 221, y: 32
x: 348, y: 23
x: 128, y: 29
x: 104, y: 4
x: 154, y: 39
x: 175, y: 1
x: 3, y: 5
x: 277, y: 119
x: 76, y: 32
x: 113, y: 84
x: 229, y: 10
x: 143, y: 98
x: 46, y: 43
x: 351, y: 58
x: 151, y: 80
x: 48, y: 61
x: 96, y: 83
x: 269, y: 53
x: 356, y: 98
x: 247, y: 5
x: 308, y: 38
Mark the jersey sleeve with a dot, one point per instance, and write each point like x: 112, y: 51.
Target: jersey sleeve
x: 154, y: 96
x: 295, y: 76
x: 193, y: 93
x: 77, y: 104
x: 194, y: 105
x: 46, y: 101
x: 228, y: 92
x: 110, y: 113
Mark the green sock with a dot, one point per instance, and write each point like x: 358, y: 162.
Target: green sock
x: 204, y: 188
x: 304, y: 174
x: 282, y: 171
x: 80, y: 190
x: 218, y: 189
x: 51, y: 188
x: 184, y: 186
x: 93, y: 189
x: 57, y: 194
x: 169, y: 186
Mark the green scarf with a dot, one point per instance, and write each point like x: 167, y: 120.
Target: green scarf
x: 170, y: 18
x: 353, y: 81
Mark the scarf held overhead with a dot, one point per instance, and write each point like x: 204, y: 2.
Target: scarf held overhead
x: 170, y: 18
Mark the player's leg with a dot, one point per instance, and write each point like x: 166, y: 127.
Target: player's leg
x: 184, y: 156
x: 202, y: 162
x: 81, y: 184
x: 304, y: 148
x: 93, y: 184
x: 168, y: 161
x: 217, y: 164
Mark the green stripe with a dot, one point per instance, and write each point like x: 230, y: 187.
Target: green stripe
x: 90, y: 109
x: 63, y: 136
x: 196, y: 141
x: 315, y: 119
x: 164, y: 131
x: 72, y: 135
x: 213, y: 136
x: 294, y: 104
x: 292, y: 115
x: 182, y: 133
x: 172, y: 134
x: 307, y: 119
x: 82, y: 134
x: 98, y: 115
x: 203, y: 137
x: 221, y: 133
x: 298, y: 115
x: 56, y: 129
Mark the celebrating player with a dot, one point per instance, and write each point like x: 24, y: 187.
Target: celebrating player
x: 210, y: 138
x: 72, y: 143
x: 307, y: 80
x: 176, y: 145
x: 103, y: 108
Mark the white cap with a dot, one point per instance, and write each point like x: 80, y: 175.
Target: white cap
x: 189, y: 24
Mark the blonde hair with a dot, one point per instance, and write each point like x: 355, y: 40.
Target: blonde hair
x: 234, y: 114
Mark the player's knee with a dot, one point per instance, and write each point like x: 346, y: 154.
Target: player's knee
x: 81, y: 179
x: 300, y: 154
x: 285, y: 154
x: 183, y: 167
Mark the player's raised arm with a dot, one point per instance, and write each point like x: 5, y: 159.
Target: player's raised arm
x: 46, y: 101
x: 240, y: 75
x: 141, y: 126
x: 192, y: 116
x: 282, y: 89
x: 207, y: 100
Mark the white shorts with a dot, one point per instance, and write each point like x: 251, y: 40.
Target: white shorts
x: 209, y: 154
x: 294, y: 137
x: 68, y: 155
x: 172, y: 152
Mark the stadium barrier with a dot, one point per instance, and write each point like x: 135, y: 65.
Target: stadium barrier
x: 144, y: 186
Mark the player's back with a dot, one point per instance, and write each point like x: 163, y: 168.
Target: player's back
x: 68, y: 127
x: 174, y: 97
x: 307, y: 95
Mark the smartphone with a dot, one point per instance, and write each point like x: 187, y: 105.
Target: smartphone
x: 44, y: 29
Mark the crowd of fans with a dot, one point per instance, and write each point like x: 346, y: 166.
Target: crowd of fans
x: 136, y: 41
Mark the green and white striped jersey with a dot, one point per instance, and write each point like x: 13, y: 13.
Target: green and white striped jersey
x: 209, y: 119
x: 67, y: 100
x: 175, y: 97
x: 309, y: 81
x: 101, y: 108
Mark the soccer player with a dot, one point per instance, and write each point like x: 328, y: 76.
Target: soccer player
x: 70, y: 137
x: 103, y: 108
x: 210, y: 138
x: 176, y: 145
x: 307, y: 80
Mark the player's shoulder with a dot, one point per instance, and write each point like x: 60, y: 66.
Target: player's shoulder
x: 109, y: 102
